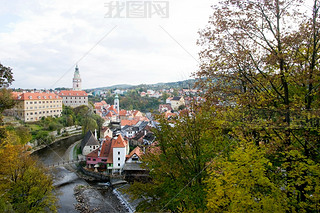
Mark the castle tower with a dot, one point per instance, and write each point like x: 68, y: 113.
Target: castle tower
x: 116, y: 103
x: 76, y: 79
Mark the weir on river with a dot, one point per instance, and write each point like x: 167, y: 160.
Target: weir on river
x: 64, y: 163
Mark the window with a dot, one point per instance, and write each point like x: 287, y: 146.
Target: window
x: 118, y: 158
x: 118, y: 153
x: 118, y: 164
x: 94, y: 159
x: 89, y: 158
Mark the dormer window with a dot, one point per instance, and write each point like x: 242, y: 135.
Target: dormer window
x: 30, y: 97
x: 39, y: 97
x: 45, y: 97
x: 50, y: 97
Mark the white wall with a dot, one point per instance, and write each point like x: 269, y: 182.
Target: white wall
x: 87, y: 149
x: 122, y: 157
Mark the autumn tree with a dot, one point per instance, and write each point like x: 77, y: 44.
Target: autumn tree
x: 263, y: 56
x: 260, y: 62
x: 25, y: 185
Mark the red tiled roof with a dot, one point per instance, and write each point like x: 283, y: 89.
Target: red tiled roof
x: 129, y: 122
x: 136, y: 112
x: 35, y: 96
x: 123, y: 112
x: 111, y: 108
x: 93, y: 153
x: 110, y: 114
x: 66, y: 93
x: 169, y: 114
x: 105, y: 148
x: 136, y: 151
x: 119, y: 142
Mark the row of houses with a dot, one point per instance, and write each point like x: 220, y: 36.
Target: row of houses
x: 32, y: 106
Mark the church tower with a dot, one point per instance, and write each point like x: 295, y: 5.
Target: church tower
x: 76, y: 80
x: 116, y: 103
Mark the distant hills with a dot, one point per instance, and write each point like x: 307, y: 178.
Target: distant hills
x: 178, y: 84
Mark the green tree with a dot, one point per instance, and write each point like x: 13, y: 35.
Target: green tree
x: 88, y: 123
x: 240, y: 183
x: 6, y: 76
x: 43, y: 137
x: 24, y: 134
x: 69, y: 120
x: 6, y: 100
x: 177, y: 164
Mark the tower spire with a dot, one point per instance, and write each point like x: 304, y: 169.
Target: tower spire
x: 76, y: 79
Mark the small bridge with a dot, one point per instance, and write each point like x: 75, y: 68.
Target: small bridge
x: 63, y: 163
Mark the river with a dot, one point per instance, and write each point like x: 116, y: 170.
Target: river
x: 97, y: 198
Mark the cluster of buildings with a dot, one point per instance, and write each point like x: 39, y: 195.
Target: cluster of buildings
x: 111, y: 155
x: 170, y: 92
x: 32, y: 106
x: 122, y: 129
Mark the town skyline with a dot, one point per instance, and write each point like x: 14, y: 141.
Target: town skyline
x: 43, y: 42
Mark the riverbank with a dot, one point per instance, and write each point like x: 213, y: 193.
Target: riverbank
x: 71, y: 137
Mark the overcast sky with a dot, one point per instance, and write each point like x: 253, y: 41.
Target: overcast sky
x: 42, y: 40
